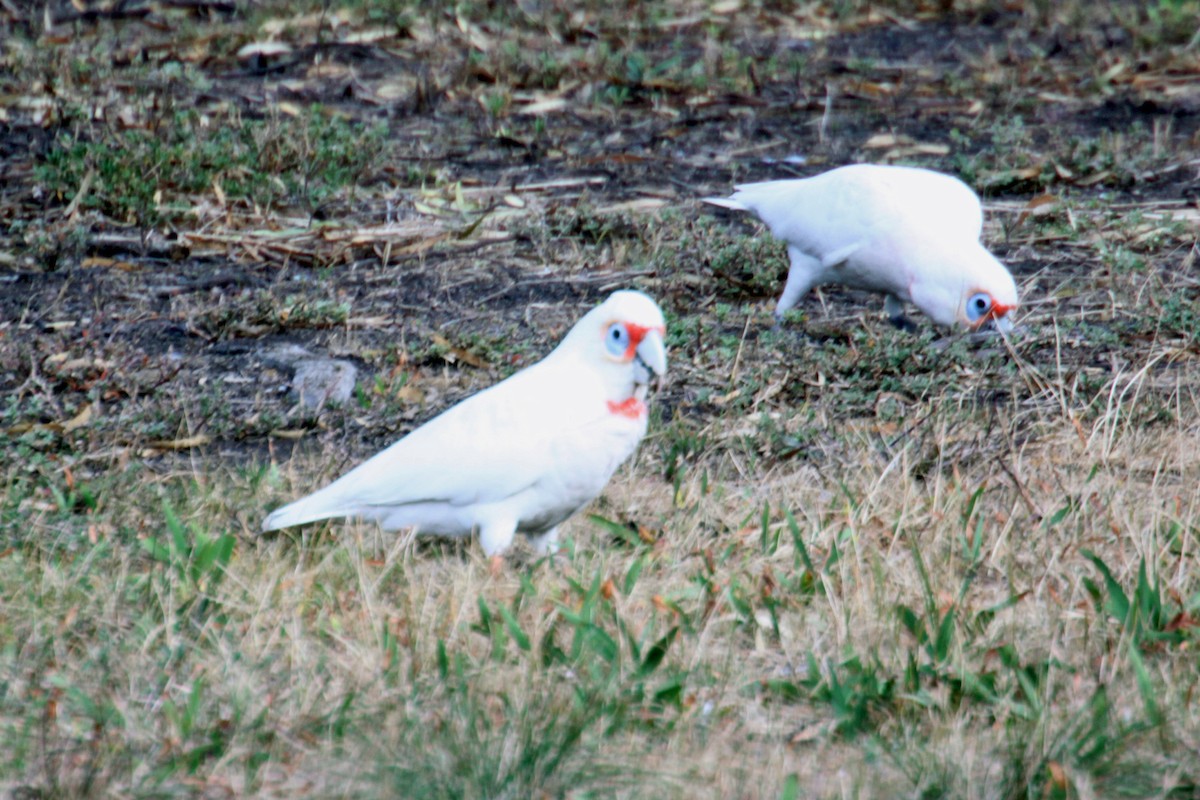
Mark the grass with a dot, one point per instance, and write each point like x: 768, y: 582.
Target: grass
x: 846, y: 561
x: 151, y: 650
x: 148, y: 177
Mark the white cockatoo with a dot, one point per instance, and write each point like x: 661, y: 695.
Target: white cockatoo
x: 522, y: 455
x: 912, y: 234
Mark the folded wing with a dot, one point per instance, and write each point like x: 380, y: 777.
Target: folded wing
x: 487, y: 448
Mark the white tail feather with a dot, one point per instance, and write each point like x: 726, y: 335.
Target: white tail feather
x: 724, y: 202
x: 301, y: 512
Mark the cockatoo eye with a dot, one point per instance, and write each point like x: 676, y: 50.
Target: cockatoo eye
x: 616, y: 340
x: 978, y: 305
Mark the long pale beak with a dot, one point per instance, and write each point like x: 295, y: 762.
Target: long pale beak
x: 1000, y: 318
x: 1003, y: 324
x: 651, y: 354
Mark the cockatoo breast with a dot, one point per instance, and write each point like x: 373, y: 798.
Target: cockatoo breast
x: 583, y: 466
x: 591, y: 420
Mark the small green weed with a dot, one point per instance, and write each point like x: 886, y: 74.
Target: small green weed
x: 748, y: 266
x: 194, y: 561
x: 1146, y: 614
x: 147, y: 178
x: 589, y: 677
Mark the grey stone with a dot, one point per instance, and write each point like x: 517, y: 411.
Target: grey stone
x: 316, y: 380
x: 323, y: 380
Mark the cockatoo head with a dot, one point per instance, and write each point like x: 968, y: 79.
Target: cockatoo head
x: 981, y: 308
x: 989, y: 298
x: 963, y: 285
x: 623, y: 339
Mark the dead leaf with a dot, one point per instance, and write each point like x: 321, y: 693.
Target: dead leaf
x: 454, y: 353
x: 79, y: 420
x: 544, y: 106
x: 1039, y: 206
x: 560, y: 183
x: 368, y: 36
x: 409, y: 394
x: 1043, y: 203
x: 928, y: 149
x: 1011, y: 177
x: 84, y: 187
x: 263, y: 50
x: 328, y: 71
x: 899, y: 147
x: 68, y: 619
x: 882, y: 140
x: 96, y: 262
x: 475, y: 35
x: 641, y: 204
x: 1181, y: 621
x: 1058, y: 775
x: 394, y: 89
x: 186, y: 443
x: 871, y: 88
x: 1094, y: 178
x: 128, y: 117
x: 811, y: 732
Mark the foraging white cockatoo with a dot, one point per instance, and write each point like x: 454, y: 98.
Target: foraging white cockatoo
x: 912, y: 234
x: 522, y: 455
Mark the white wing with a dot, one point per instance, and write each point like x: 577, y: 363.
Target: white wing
x: 487, y: 448
x: 844, y: 209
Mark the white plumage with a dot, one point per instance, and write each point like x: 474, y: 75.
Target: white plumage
x: 911, y: 234
x: 522, y: 455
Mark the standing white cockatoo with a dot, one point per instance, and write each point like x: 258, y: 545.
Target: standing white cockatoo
x: 912, y: 234
x: 522, y: 455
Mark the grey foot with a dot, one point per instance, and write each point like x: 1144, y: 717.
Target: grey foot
x: 545, y: 544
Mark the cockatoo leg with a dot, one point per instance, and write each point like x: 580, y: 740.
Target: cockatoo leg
x: 801, y: 277
x: 895, y: 311
x: 495, y: 536
x: 545, y: 544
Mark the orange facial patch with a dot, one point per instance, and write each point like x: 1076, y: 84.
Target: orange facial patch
x: 999, y: 309
x: 630, y: 407
x: 636, y: 334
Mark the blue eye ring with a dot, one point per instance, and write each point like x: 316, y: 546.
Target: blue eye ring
x: 978, y: 306
x: 616, y: 340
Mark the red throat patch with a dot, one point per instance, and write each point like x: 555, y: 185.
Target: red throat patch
x: 630, y: 407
